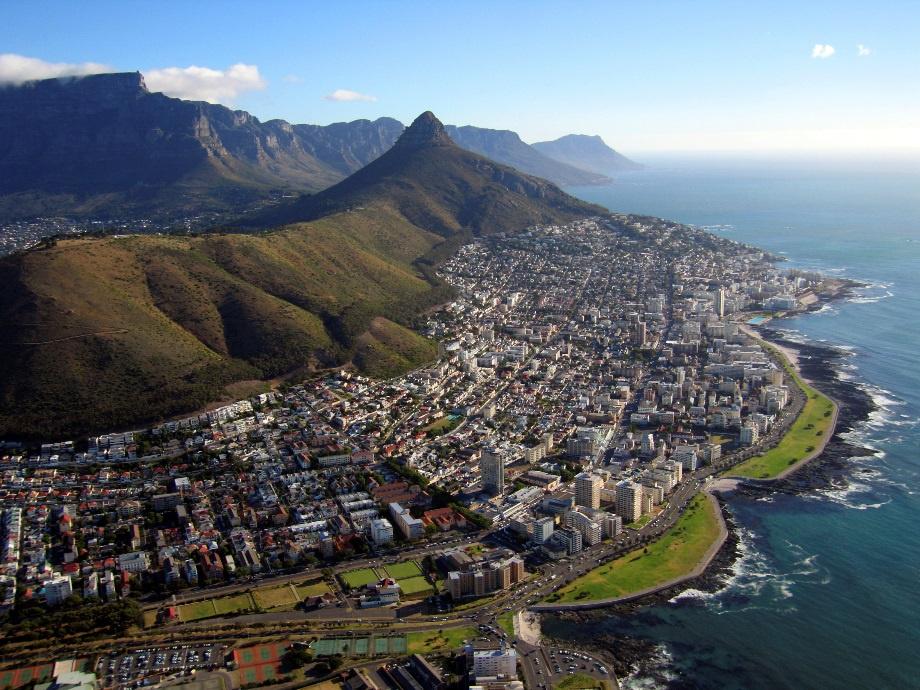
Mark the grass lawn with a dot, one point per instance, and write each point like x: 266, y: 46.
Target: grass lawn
x: 642, y: 521
x: 197, y: 610
x: 239, y: 602
x: 506, y: 622
x: 404, y: 569
x: 273, y: 597
x: 441, y: 426
x: 581, y: 681
x: 803, y: 437
x: 312, y: 589
x: 671, y: 556
x: 415, y: 585
x: 359, y: 578
x: 434, y: 641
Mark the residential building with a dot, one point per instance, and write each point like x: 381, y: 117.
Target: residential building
x: 629, y: 500
x: 57, y: 589
x: 495, y: 663
x: 543, y: 529
x: 381, y: 531
x: 588, y: 490
x: 492, y: 469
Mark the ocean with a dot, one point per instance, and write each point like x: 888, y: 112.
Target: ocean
x: 826, y: 593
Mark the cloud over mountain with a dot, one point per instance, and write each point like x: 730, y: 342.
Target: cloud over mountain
x: 15, y: 69
x: 204, y: 83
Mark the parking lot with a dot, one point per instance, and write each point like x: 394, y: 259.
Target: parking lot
x: 129, y: 669
x: 546, y: 667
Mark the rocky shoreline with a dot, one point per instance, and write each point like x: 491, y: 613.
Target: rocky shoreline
x: 820, y: 365
x: 831, y: 470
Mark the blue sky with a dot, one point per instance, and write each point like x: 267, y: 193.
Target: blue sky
x: 645, y: 75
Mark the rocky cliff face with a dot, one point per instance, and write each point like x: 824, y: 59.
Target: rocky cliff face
x: 104, y: 145
x: 107, y: 136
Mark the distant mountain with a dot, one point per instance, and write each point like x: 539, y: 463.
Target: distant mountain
x: 438, y: 186
x: 586, y: 152
x: 108, y: 333
x: 105, y: 145
x: 505, y: 146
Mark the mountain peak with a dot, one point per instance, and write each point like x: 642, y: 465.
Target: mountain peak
x: 426, y: 130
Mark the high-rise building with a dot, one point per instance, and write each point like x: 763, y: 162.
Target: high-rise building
x: 492, y: 469
x: 629, y: 500
x: 543, y: 529
x: 571, y: 538
x: 720, y: 302
x: 588, y: 490
x: 589, y: 529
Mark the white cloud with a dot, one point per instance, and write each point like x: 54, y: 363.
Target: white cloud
x: 822, y: 51
x: 15, y: 69
x: 863, y: 51
x: 344, y: 95
x: 205, y: 84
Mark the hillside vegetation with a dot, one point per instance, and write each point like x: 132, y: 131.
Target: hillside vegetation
x: 104, y: 333
x: 107, y: 333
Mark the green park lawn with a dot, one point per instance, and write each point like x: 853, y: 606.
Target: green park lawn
x: 441, y: 426
x: 359, y: 578
x: 506, y: 622
x: 445, y: 640
x: 803, y: 437
x: 197, y: 610
x: 404, y: 569
x: 580, y: 681
x: 234, y: 604
x: 312, y: 589
x: 275, y: 597
x: 673, y: 555
x: 415, y: 585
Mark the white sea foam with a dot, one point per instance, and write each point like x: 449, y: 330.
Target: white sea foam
x: 654, y: 672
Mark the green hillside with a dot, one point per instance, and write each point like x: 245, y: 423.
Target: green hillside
x: 108, y: 333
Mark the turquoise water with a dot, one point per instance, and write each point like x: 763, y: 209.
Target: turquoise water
x: 827, y: 593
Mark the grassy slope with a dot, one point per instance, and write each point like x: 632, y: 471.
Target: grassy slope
x: 803, y: 437
x: 673, y: 555
x: 162, y: 324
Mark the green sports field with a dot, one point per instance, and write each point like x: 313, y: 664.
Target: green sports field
x: 404, y: 569
x: 359, y: 578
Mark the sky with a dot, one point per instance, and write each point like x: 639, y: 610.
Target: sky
x: 829, y: 77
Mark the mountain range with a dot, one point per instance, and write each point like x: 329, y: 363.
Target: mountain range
x: 105, y: 333
x: 586, y: 152
x: 105, y: 146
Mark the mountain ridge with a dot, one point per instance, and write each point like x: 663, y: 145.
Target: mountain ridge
x: 463, y: 190
x: 588, y: 152
x: 116, y: 331
x: 104, y: 146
